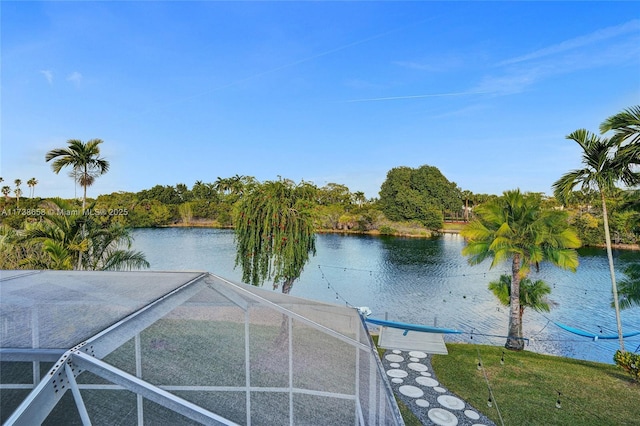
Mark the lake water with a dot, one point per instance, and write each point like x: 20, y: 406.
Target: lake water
x: 425, y: 281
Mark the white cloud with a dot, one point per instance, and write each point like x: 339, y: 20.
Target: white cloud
x: 429, y: 95
x: 513, y: 82
x: 75, y: 77
x: 602, y: 48
x: 578, y: 42
x: 435, y: 64
x: 48, y: 75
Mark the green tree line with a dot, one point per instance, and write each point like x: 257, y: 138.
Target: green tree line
x: 412, y: 201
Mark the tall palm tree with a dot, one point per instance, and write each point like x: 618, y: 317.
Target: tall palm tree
x: 222, y: 185
x: 359, y: 198
x: 626, y: 128
x: 32, y: 185
x: 17, y: 191
x: 84, y: 159
x: 466, y: 196
x: 515, y: 228
x: 533, y: 294
x: 603, y: 168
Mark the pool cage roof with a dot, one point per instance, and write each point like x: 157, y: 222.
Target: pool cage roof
x: 160, y: 348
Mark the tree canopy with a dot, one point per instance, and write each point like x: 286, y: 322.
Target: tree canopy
x: 67, y: 238
x: 421, y: 194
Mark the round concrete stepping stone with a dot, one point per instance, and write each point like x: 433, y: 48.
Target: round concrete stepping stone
x: 427, y: 381
x: 415, y: 366
x: 397, y: 380
x: 397, y: 373
x: 413, y: 359
x: 394, y: 358
x: 471, y: 414
x: 417, y: 354
x: 422, y: 403
x: 439, y: 389
x: 424, y: 373
x: 394, y: 365
x: 395, y: 351
x: 451, y: 402
x: 442, y: 417
x: 411, y: 391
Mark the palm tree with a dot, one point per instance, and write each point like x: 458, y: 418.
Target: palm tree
x: 626, y: 128
x: 515, y: 228
x: 532, y: 294
x: 466, y: 196
x: 274, y: 233
x: 17, y: 191
x: 359, y: 198
x: 6, y: 190
x: 222, y: 185
x: 603, y: 168
x: 85, y: 160
x: 73, y: 238
x: 32, y: 184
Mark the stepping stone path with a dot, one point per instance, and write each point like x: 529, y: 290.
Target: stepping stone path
x: 414, y: 383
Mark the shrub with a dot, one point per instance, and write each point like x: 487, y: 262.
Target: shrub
x: 387, y: 230
x: 629, y: 362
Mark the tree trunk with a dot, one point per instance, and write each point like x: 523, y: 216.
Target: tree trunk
x: 84, y: 202
x: 84, y: 189
x: 466, y: 210
x: 287, y: 285
x: 282, y: 338
x: 514, y: 339
x: 607, y: 238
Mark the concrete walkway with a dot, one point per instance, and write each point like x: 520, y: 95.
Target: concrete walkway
x: 415, y: 384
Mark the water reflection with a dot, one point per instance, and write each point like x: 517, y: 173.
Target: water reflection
x: 424, y: 281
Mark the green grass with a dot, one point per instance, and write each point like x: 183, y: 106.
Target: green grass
x: 453, y: 226
x: 526, y: 387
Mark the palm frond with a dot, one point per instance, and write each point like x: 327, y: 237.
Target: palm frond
x: 629, y: 288
x: 125, y: 259
x: 625, y: 124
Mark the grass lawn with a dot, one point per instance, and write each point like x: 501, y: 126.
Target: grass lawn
x: 453, y: 226
x: 526, y: 387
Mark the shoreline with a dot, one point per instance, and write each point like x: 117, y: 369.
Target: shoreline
x: 424, y: 233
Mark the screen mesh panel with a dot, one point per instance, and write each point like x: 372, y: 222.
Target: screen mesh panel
x: 158, y: 348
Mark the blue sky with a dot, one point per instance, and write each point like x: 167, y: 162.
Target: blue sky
x: 336, y: 92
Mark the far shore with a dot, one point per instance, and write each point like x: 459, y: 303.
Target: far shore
x: 450, y: 228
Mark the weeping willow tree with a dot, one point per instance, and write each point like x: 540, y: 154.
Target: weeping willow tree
x: 274, y: 232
